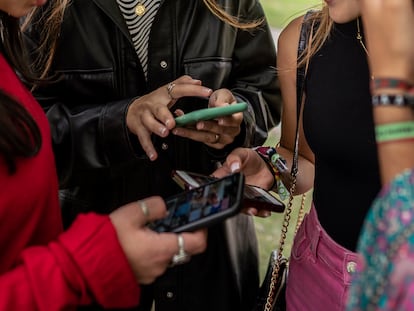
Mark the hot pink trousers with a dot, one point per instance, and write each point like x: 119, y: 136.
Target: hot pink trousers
x: 320, y: 270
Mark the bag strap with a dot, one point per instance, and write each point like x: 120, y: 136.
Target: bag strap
x: 306, y: 33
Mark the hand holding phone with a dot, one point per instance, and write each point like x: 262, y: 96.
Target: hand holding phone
x: 203, y: 206
x: 253, y: 196
x: 209, y: 113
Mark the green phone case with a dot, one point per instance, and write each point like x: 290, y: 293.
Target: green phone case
x: 209, y: 113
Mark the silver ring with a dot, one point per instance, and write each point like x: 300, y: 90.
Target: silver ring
x: 181, y: 257
x: 216, y: 139
x: 170, y: 87
x: 144, y: 208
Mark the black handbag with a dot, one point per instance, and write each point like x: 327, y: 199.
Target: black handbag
x: 271, y: 295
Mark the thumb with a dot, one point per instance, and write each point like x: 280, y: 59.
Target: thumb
x: 152, y: 208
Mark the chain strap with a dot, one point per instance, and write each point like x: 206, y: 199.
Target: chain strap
x: 301, y: 73
x: 270, y: 300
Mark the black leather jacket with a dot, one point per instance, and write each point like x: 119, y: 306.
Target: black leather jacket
x: 102, y: 166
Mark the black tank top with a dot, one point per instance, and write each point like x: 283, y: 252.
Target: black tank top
x: 338, y: 126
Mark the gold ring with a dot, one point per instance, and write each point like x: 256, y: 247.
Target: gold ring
x: 170, y: 87
x: 216, y: 139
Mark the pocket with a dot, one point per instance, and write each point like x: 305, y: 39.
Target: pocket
x: 301, y: 248
x: 214, y: 72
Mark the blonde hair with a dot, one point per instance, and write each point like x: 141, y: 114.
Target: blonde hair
x: 234, y: 21
x: 319, y: 34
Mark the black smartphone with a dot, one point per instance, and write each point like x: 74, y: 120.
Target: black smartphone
x: 203, y: 206
x: 253, y: 196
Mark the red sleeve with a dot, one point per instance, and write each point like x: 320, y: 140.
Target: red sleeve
x: 84, y: 264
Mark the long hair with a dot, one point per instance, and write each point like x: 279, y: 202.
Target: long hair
x: 320, y: 35
x: 51, y: 16
x: 19, y: 134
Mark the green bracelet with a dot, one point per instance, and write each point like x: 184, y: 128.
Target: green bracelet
x: 394, y: 131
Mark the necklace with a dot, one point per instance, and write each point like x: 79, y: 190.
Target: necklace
x: 140, y: 9
x: 359, y: 37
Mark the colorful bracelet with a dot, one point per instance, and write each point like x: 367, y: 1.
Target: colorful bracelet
x: 391, y: 83
x: 277, y: 165
x: 394, y: 131
x: 398, y: 100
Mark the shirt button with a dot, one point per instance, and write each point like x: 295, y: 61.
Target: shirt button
x: 163, y: 64
x: 170, y: 295
x: 164, y: 146
x: 351, y: 267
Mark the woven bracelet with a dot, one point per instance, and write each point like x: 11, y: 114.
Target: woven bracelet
x: 394, y: 131
x: 276, y: 165
x: 391, y: 83
x: 398, y: 100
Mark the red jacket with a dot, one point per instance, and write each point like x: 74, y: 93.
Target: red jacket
x: 41, y: 267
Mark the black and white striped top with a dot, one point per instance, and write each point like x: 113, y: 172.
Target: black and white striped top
x: 139, y: 26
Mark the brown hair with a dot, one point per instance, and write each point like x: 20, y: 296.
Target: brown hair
x: 19, y: 134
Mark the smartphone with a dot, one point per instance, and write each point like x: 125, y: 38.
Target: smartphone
x: 203, y: 206
x: 209, y: 113
x: 253, y: 196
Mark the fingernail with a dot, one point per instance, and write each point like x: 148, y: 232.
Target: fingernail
x: 175, y: 132
x: 151, y: 156
x: 234, y: 167
x: 167, y: 122
x: 208, y: 91
x: 266, y: 214
x: 163, y: 130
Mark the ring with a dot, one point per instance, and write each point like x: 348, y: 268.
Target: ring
x: 170, y: 87
x: 181, y: 257
x: 216, y: 138
x: 144, y: 208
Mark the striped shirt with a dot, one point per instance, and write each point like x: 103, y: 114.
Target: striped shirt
x: 139, y: 26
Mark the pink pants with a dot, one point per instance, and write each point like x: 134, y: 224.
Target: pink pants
x: 320, y: 270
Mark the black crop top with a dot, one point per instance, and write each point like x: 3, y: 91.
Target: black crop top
x: 338, y: 126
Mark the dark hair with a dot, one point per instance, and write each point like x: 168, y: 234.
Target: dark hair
x: 19, y: 133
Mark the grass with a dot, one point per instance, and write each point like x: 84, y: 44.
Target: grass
x: 280, y: 12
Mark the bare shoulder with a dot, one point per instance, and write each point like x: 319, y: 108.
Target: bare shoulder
x: 287, y: 44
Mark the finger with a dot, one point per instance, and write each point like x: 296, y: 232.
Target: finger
x: 188, y: 89
x: 195, y: 242
x: 144, y: 138
x: 197, y: 135
x: 155, y: 206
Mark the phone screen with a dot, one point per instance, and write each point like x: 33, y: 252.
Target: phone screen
x: 203, y: 206
x: 253, y: 196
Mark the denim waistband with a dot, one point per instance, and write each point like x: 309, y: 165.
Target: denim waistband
x: 324, y: 248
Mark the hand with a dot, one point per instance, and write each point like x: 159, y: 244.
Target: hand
x: 151, y: 114
x: 254, y: 169
x: 149, y: 253
x: 389, y: 27
x: 214, y: 133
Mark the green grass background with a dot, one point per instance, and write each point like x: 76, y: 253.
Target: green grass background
x: 279, y: 13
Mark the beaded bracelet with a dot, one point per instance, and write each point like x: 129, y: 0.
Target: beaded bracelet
x: 391, y: 83
x: 394, y: 131
x: 398, y: 100
x: 277, y: 165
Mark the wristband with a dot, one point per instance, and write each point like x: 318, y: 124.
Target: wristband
x: 391, y: 83
x: 394, y: 131
x: 277, y: 165
x: 399, y: 100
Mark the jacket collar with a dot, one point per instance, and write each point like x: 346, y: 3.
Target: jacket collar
x: 110, y: 8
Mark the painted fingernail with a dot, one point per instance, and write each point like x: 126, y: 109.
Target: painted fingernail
x: 234, y: 167
x: 163, y: 130
x: 151, y: 156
